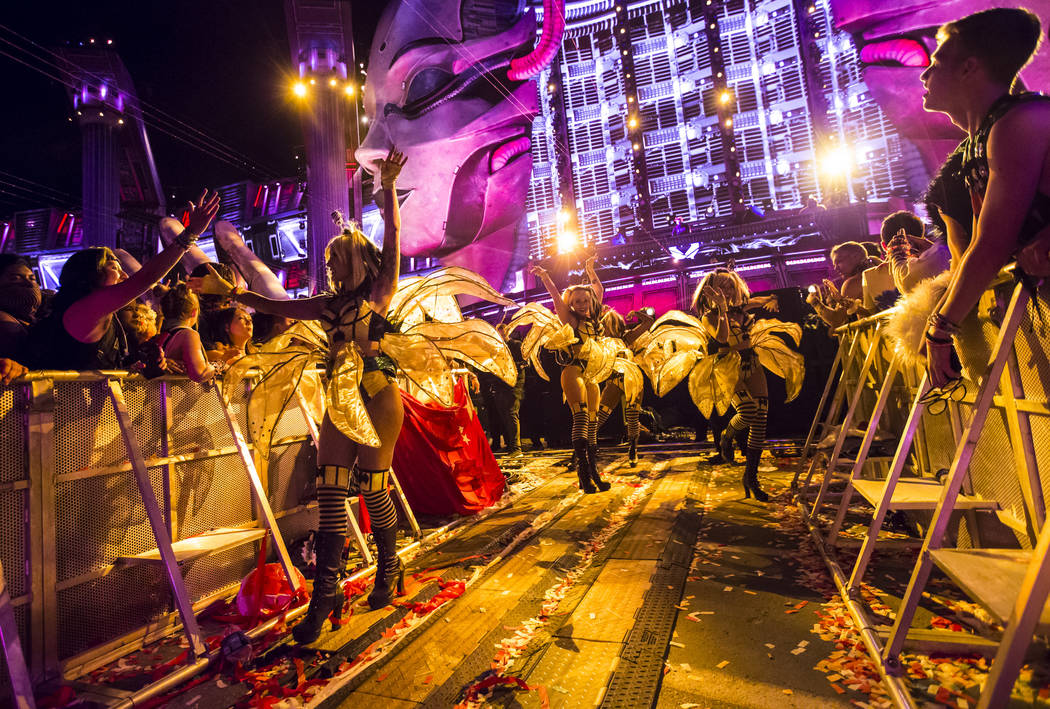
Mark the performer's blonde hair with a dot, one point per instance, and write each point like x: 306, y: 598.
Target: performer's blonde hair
x: 613, y: 323
x: 726, y: 281
x: 355, y: 253
x: 596, y: 305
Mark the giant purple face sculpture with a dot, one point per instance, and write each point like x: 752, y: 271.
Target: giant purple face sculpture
x: 451, y: 84
x: 896, y: 38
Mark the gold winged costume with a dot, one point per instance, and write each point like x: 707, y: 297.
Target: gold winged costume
x: 600, y: 356
x: 424, y: 333
x: 675, y: 347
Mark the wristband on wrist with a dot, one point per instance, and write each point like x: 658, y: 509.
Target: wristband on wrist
x: 186, y: 238
x: 938, y: 340
x: 939, y: 322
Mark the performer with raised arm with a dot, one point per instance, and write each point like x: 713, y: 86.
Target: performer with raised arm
x: 579, y: 307
x: 354, y: 451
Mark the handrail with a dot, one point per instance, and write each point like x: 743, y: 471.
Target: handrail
x: 1005, y: 275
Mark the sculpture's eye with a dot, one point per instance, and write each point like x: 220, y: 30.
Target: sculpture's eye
x: 425, y: 84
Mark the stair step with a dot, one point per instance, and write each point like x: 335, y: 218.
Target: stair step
x: 211, y: 542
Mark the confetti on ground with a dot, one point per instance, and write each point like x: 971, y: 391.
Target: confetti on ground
x: 722, y: 664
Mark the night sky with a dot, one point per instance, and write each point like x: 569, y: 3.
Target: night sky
x: 221, y: 66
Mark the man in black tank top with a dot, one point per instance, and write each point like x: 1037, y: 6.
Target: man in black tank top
x: 1005, y: 158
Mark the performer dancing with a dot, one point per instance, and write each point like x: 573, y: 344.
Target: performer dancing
x: 722, y: 301
x: 579, y: 307
x: 613, y: 391
x: 363, y: 282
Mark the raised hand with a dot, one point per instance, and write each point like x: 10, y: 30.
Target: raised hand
x: 202, y: 212
x: 211, y: 284
x: 538, y: 271
x: 390, y: 168
x: 715, y: 296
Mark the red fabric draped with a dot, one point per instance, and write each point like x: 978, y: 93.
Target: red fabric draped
x: 443, y: 460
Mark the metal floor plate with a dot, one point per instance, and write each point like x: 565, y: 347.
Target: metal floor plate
x: 607, y: 611
x: 574, y: 673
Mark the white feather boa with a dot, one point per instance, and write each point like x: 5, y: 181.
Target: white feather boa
x: 907, y: 325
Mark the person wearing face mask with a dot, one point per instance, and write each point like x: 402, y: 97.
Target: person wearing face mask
x: 19, y: 300
x: 82, y: 332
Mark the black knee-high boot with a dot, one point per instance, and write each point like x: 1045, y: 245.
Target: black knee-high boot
x: 751, y: 475
x: 390, y: 573
x: 583, y: 470
x: 725, y: 454
x: 327, y: 599
x: 592, y: 468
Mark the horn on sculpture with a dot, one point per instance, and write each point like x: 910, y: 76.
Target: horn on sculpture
x: 524, y: 68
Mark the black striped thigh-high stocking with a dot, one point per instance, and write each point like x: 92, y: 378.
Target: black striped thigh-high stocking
x: 580, y: 430
x: 374, y: 488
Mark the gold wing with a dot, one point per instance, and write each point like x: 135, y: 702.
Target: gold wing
x: 474, y: 342
x: 434, y: 294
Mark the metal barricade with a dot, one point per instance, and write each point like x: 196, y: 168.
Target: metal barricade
x: 986, y: 457
x: 75, y: 531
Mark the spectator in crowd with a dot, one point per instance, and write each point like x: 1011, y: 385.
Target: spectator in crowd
x: 19, y: 301
x: 880, y: 292
x: 232, y: 330
x: 211, y: 304
x: 180, y: 341
x: 912, y: 258
x: 834, y: 304
x: 145, y: 355
x: 1005, y: 159
x: 265, y: 327
x: 82, y: 331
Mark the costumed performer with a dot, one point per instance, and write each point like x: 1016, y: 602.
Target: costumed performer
x: 354, y: 452
x: 616, y: 387
x: 579, y: 308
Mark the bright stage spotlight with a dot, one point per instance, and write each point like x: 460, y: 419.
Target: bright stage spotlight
x: 566, y: 240
x: 725, y: 97
x: 837, y: 162
x: 349, y: 89
x: 299, y: 89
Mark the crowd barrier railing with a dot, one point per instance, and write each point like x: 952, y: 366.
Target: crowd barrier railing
x: 127, y: 505
x: 970, y: 477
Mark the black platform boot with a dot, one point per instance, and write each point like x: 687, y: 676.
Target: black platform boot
x: 592, y: 468
x: 751, y: 474
x: 582, y: 472
x: 725, y: 453
x: 327, y: 599
x: 632, y: 453
x: 390, y: 573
